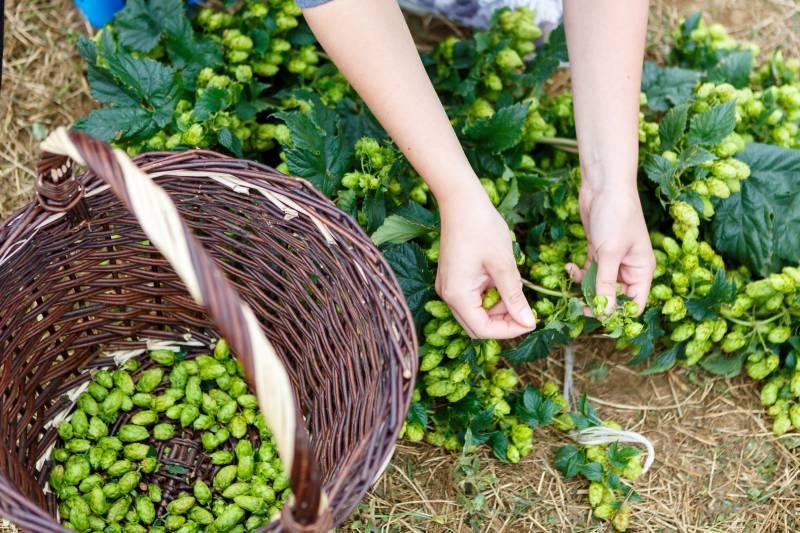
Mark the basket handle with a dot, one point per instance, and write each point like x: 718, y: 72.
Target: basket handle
x: 161, y: 222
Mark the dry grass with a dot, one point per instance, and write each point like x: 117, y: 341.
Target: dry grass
x: 718, y: 468
x: 43, y: 87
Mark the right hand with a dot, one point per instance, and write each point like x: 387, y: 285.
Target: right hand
x: 476, y: 254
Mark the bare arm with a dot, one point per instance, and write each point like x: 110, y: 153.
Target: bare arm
x: 606, y: 40
x: 371, y: 45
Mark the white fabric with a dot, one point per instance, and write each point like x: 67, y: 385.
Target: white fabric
x: 478, y: 13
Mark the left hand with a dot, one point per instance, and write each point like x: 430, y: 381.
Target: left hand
x: 618, y: 240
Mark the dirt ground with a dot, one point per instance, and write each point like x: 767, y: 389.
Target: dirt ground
x: 718, y: 467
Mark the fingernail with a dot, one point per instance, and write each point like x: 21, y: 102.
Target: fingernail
x: 526, y: 316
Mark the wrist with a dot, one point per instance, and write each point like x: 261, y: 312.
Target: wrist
x: 466, y: 192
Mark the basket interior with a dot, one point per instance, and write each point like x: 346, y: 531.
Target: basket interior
x: 73, y: 292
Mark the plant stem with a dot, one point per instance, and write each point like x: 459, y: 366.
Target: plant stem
x: 562, y: 141
x: 548, y: 292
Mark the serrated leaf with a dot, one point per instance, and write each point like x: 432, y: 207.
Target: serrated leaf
x: 665, y: 360
x: 231, y: 142
x: 139, y: 23
x: 712, y: 126
x: 569, y: 460
x: 414, y: 276
x: 499, y: 443
x: 187, y: 53
x: 548, y: 58
x: 212, y: 100
x: 397, y: 228
x: 662, y: 172
x: 692, y: 156
x: 538, y: 344
x: 722, y: 364
x: 733, y: 68
x: 319, y: 151
x: 153, y: 84
x: 111, y: 124
x: 722, y: 291
x: 102, y: 84
x: 510, y: 200
x: 668, y: 86
x: 619, y: 457
x: 501, y: 131
x: 759, y: 225
x: 672, y: 126
x: 535, y: 409
x: 591, y: 471
x: 418, y: 414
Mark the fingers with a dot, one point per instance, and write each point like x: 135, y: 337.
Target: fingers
x: 607, y: 274
x: 508, y: 282
x: 466, y: 305
x: 479, y: 324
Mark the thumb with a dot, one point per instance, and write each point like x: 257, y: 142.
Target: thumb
x: 607, y: 273
x: 509, y: 284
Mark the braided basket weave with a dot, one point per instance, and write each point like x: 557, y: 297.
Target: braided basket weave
x: 108, y: 262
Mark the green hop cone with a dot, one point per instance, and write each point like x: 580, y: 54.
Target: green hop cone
x: 779, y: 334
x: 491, y: 298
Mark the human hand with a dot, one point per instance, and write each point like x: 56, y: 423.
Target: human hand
x: 618, y: 240
x: 476, y: 254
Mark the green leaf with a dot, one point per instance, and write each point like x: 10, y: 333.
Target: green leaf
x: 760, y: 225
x: 722, y: 364
x: 672, y: 126
x: 346, y: 201
x: 548, y: 57
x: 231, y: 142
x: 212, y: 100
x: 733, y: 68
x: 585, y: 416
x: 569, y: 460
x: 646, y: 340
x: 591, y: 471
x: 589, y: 284
x: 374, y: 209
x: 499, y: 132
x: 414, y: 276
x: 535, y: 409
x: 538, y: 344
x: 619, y: 457
x: 102, y: 84
x: 418, y: 414
x: 499, y: 443
x: 139, y: 23
x: 510, y: 200
x: 668, y: 86
x: 187, y: 53
x: 692, y: 156
x: 398, y: 229
x: 112, y: 124
x: 662, y: 172
x: 319, y: 151
x: 153, y: 84
x: 177, y: 469
x: 664, y: 361
x: 419, y: 215
x: 712, y: 126
x: 706, y: 307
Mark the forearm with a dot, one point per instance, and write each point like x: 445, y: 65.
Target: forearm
x: 371, y: 45
x: 606, y: 40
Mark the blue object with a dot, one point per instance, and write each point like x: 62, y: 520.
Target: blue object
x: 100, y: 12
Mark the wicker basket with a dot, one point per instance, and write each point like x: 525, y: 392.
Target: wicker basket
x: 248, y: 252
